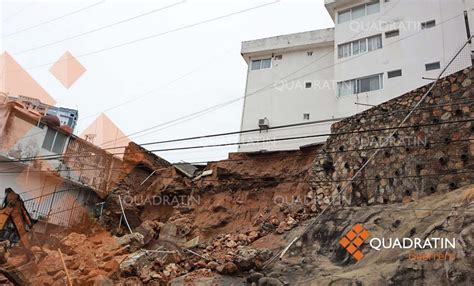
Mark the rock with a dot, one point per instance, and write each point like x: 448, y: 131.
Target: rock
x: 212, y: 265
x: 254, y: 277
x: 131, y: 263
x: 227, y: 268
x: 205, y: 279
x: 284, y: 280
x: 146, y: 229
x: 466, y: 83
x: 74, y: 239
x: 135, y: 237
x: 231, y: 244
x: 268, y: 281
x: 111, y: 266
x: 100, y: 281
x: 247, y: 258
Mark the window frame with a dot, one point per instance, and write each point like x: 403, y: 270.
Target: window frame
x: 396, y: 73
x: 355, y: 84
x: 392, y: 33
x: 53, y: 146
x: 360, y: 42
x: 433, y: 66
x: 260, y: 65
x: 428, y: 24
x: 350, y: 11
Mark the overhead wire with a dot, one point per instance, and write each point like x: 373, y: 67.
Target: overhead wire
x: 100, y: 28
x: 53, y: 19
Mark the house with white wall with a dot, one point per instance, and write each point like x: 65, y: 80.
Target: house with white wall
x: 376, y: 51
x: 59, y: 176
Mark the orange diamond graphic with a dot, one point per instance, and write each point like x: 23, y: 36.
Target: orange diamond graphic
x: 358, y: 228
x: 364, y: 234
x: 351, y: 248
x: 358, y: 255
x: 344, y: 241
x: 358, y: 241
x: 16, y: 81
x: 351, y: 235
x: 67, y: 69
x: 104, y: 133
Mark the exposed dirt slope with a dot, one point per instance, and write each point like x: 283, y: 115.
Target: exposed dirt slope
x: 319, y: 259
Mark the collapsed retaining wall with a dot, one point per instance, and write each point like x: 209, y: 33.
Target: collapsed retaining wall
x: 431, y: 153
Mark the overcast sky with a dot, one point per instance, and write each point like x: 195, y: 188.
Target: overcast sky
x: 167, y: 76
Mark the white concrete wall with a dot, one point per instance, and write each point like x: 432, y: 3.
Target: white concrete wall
x: 286, y: 101
x: 409, y: 51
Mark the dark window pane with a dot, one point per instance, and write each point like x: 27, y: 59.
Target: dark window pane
x: 392, y: 33
x: 59, y: 143
x: 48, y: 139
x: 256, y: 65
x: 433, y: 66
x: 396, y: 73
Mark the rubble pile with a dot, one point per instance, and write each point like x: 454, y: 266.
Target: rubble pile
x: 89, y: 259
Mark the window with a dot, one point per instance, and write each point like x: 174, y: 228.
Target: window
x: 432, y: 66
x: 374, y: 43
x: 310, y: 53
x: 344, y: 50
x: 305, y: 116
x: 59, y: 142
x: 54, y: 141
x: 261, y: 64
x: 395, y: 73
x: 392, y: 33
x: 49, y: 139
x: 344, y: 16
x: 358, y: 12
x: 256, y: 64
x: 359, y: 46
x: 428, y: 24
x: 266, y: 63
x: 365, y: 84
x: 373, y: 8
x: 307, y: 85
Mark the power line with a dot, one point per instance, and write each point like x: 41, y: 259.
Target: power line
x: 443, y: 142
x: 55, y: 157
x: 221, y: 105
x: 207, y: 110
x: 383, y: 113
x: 52, y: 20
x: 158, y: 34
x: 6, y: 19
x: 99, y: 28
x: 196, y: 114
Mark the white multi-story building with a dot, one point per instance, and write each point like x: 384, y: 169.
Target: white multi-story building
x: 377, y: 50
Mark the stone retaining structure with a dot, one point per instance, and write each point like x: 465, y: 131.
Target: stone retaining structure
x: 432, y: 153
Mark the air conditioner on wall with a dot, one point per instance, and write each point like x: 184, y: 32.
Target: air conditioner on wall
x: 263, y: 123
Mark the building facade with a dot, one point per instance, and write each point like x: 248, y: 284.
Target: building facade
x: 66, y: 116
x: 59, y: 176
x: 376, y: 51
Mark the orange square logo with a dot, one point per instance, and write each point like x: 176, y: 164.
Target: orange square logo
x: 353, y: 239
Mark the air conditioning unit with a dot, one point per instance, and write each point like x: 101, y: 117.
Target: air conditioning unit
x: 263, y: 123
